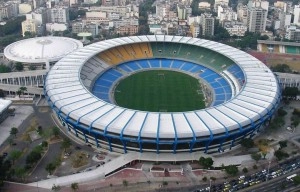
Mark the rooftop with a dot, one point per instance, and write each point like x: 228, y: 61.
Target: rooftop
x: 41, y: 49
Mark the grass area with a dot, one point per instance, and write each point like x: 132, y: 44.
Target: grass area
x: 160, y: 91
x: 79, y: 159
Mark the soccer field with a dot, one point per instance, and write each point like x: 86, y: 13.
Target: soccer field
x: 160, y: 91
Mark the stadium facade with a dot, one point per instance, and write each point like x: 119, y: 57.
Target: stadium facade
x: 245, y: 94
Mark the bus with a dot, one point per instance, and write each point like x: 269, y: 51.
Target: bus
x: 290, y: 178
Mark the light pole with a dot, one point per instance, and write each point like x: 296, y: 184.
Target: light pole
x: 209, y: 184
x: 268, y: 171
x: 37, y: 184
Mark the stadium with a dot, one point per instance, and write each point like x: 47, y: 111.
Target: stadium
x: 229, y: 94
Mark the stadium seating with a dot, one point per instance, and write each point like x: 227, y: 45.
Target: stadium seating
x: 237, y: 73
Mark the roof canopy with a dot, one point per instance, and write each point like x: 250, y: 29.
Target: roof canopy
x: 41, y: 49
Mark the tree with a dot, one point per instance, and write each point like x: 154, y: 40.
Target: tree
x: 66, y: 144
x: 14, y: 155
x: 165, y: 183
x: 14, y: 131
x: 254, y: 166
x: 50, y: 167
x: 213, y: 178
x: 296, y: 180
x: 245, y: 170
x: 44, y: 144
x: 247, y: 143
x: 206, y: 162
x: 204, y: 179
x: 256, y: 156
x: 55, y: 131
x: 33, y: 157
x: 231, y: 170
x: 55, y: 187
x: 4, y: 169
x: 290, y: 92
x: 19, y: 66
x: 32, y: 67
x: 281, y: 112
x: 283, y: 68
x: 74, y: 186
x: 281, y: 154
x: 4, y: 69
x: 20, y: 172
x: 283, y: 144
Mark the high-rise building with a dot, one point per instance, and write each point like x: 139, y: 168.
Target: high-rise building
x: 29, y: 25
x: 297, y: 15
x: 59, y: 15
x: 293, y: 33
x: 207, y: 24
x: 39, y: 15
x: 195, y: 29
x: 256, y: 19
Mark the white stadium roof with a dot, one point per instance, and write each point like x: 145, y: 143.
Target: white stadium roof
x: 41, y: 49
x: 259, y: 94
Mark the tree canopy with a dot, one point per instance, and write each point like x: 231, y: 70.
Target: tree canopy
x: 290, y: 92
x: 4, y: 69
x: 231, y: 170
x: 247, y: 143
x: 206, y: 162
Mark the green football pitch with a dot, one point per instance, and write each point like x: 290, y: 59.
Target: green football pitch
x: 159, y: 91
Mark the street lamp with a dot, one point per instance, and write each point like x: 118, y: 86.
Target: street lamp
x: 37, y: 184
x: 209, y: 184
x: 268, y: 171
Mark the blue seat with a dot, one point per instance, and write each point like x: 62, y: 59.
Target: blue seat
x: 177, y: 64
x: 143, y: 64
x: 104, y: 83
x: 154, y: 63
x: 219, y: 91
x: 166, y: 63
x: 125, y: 68
x: 133, y: 66
x: 215, y: 85
x: 99, y: 88
x: 115, y: 72
x: 187, y: 66
x: 197, y: 69
x: 108, y: 76
x: 220, y: 97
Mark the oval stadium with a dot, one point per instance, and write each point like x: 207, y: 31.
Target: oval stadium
x: 162, y: 94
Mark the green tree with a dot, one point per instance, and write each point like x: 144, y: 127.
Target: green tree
x: 5, y: 166
x: 74, y: 186
x: 283, y: 144
x: 14, y: 155
x: 165, y: 183
x: 50, y: 167
x: 33, y: 157
x: 44, y: 144
x: 247, y: 143
x: 55, y: 187
x: 66, y: 144
x: 206, y: 162
x: 14, y: 131
x: 4, y: 69
x: 281, y: 112
x: 20, y: 172
x: 281, y: 154
x: 296, y: 180
x: 55, y: 131
x: 19, y: 66
x: 283, y: 68
x: 245, y: 170
x: 231, y: 170
x: 290, y: 92
x: 256, y: 156
x: 204, y: 179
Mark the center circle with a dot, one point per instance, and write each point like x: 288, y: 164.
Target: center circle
x: 159, y: 91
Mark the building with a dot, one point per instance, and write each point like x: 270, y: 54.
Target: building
x: 195, y: 29
x: 59, y: 15
x: 29, y: 25
x: 39, y: 15
x: 128, y: 30
x: 242, y: 13
x: 297, y: 15
x: 51, y: 27
x: 4, y: 105
x: 256, y: 19
x: 80, y: 27
x: 182, y: 12
x: 207, y: 24
x: 288, y: 80
x: 204, y: 5
x: 91, y: 119
x: 24, y: 8
x: 226, y: 14
x: 278, y: 47
x: 8, y: 10
x: 237, y: 29
x: 293, y: 33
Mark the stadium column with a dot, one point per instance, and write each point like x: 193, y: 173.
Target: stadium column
x: 157, y: 134
x: 96, y: 140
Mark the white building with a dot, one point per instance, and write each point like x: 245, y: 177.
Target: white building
x: 24, y: 8
x: 237, y: 29
x: 195, y: 29
x: 51, y: 27
x: 256, y: 19
x: 79, y: 27
x: 39, y: 15
x: 59, y: 15
x: 204, y: 5
x: 293, y: 33
x: 226, y: 13
x: 258, y: 4
x: 242, y: 13
x: 297, y: 15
